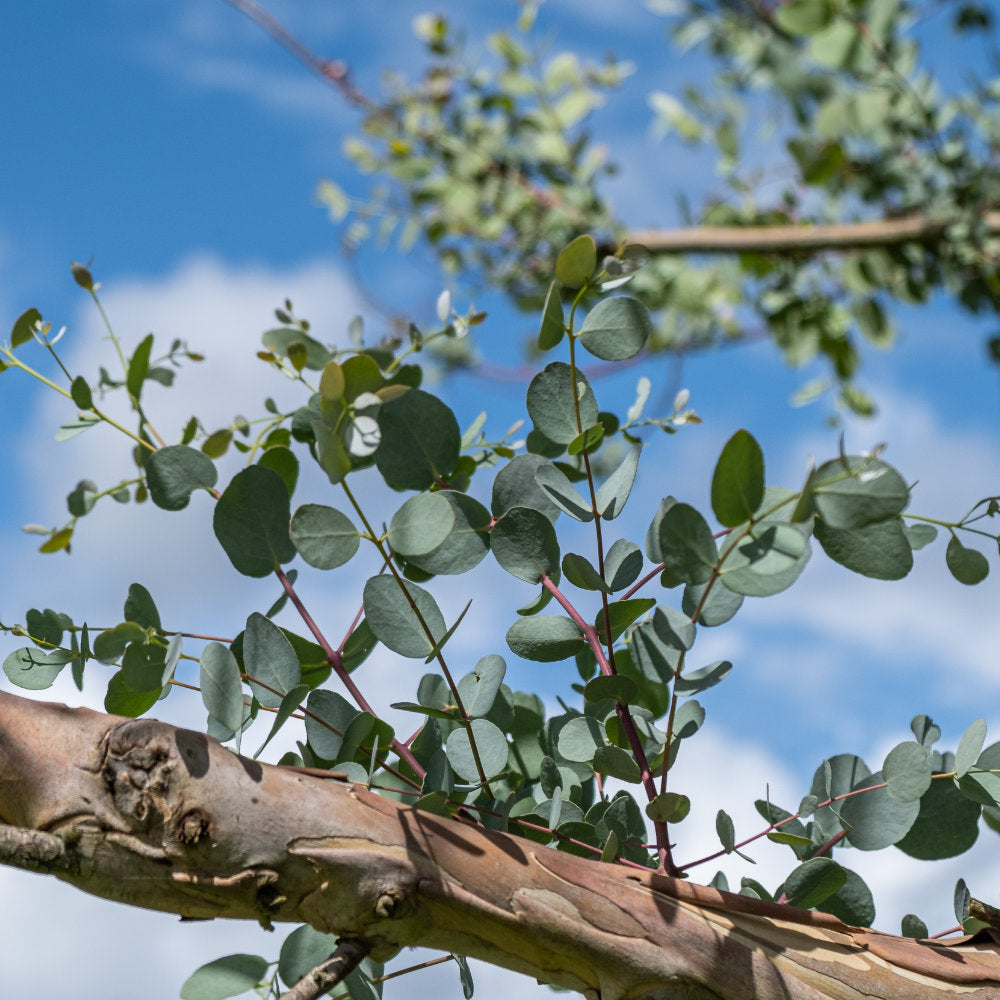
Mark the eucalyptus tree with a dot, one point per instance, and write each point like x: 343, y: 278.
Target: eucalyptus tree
x: 541, y: 842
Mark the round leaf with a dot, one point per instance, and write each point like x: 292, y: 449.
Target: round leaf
x: 880, y: 551
x: 622, y: 564
x: 515, y: 486
x: 251, y: 522
x: 966, y: 565
x: 670, y: 807
x: 270, y: 660
x: 33, y: 670
x: 858, y: 491
x: 553, y: 397
x: 467, y: 542
x: 524, y: 544
x: 225, y: 977
x: 580, y: 739
x: 947, y: 825
x: 490, y: 743
x: 401, y: 621
x: 545, y: 638
x: 616, y: 329
x: 907, y: 771
x: 421, y: 524
x: 875, y: 819
x: 421, y: 441
x: 175, y: 472
x: 813, y: 882
x: 852, y: 902
x: 324, y: 536
x: 302, y: 951
x: 767, y: 559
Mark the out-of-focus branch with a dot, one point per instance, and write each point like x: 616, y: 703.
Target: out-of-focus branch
x: 779, y: 239
x: 332, y: 71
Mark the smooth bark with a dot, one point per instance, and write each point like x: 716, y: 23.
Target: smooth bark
x: 143, y: 813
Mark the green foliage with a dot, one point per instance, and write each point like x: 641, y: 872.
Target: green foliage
x: 631, y: 625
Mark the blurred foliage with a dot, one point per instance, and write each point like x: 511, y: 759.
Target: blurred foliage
x: 489, y: 159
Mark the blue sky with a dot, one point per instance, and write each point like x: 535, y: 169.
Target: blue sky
x: 180, y: 148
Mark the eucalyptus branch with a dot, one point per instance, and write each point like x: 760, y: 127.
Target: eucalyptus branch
x: 449, y: 679
x: 336, y: 661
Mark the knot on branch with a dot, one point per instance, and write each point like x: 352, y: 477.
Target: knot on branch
x: 137, y: 770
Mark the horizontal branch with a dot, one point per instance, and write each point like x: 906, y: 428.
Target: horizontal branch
x: 143, y: 813
x: 781, y: 239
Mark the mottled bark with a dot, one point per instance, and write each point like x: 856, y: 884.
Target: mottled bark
x: 144, y: 813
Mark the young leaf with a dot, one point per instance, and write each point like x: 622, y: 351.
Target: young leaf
x: 138, y: 366
x: 80, y: 391
x: 553, y: 324
x: 738, y: 480
x: 24, y: 327
x: 577, y: 262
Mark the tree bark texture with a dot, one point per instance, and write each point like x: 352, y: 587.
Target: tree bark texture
x: 143, y: 813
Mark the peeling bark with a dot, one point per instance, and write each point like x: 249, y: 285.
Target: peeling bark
x: 147, y: 814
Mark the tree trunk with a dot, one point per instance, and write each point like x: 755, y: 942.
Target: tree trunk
x: 143, y: 813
